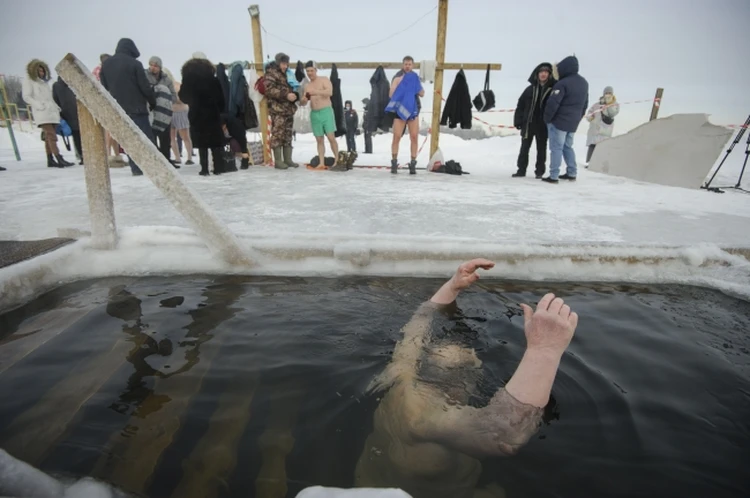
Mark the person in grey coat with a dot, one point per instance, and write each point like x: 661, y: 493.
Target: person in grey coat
x: 601, y: 118
x: 160, y: 80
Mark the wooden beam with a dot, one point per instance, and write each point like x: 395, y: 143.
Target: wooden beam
x: 657, y: 104
x: 258, y: 49
x: 98, y: 184
x: 440, y: 59
x: 447, y: 66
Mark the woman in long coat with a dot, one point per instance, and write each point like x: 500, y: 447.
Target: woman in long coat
x: 601, y: 117
x: 201, y: 91
x: 38, y: 94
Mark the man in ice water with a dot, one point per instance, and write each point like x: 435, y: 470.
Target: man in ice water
x: 426, y: 439
x: 403, y: 105
x: 318, y: 92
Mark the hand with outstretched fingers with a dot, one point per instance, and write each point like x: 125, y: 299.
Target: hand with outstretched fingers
x: 551, y: 327
x: 466, y: 274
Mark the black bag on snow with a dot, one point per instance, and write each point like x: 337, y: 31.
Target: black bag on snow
x: 485, y: 100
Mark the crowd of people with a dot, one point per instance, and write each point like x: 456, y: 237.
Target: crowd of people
x: 551, y: 109
x: 212, y: 112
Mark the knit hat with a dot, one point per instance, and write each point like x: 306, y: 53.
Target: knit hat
x: 199, y: 55
x: 281, y: 57
x: 608, y: 89
x: 155, y: 60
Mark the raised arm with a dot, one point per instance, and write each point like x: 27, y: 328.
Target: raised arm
x: 515, y: 411
x: 403, y: 365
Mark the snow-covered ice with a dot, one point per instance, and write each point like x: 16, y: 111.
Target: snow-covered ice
x: 354, y: 219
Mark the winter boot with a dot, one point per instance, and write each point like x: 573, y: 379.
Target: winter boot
x: 62, y: 162
x: 413, y: 167
x: 288, y: 157
x: 245, y: 163
x: 278, y: 160
x: 519, y: 174
x: 51, y: 163
x: 394, y: 166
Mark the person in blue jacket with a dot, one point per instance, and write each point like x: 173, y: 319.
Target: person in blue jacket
x: 565, y: 108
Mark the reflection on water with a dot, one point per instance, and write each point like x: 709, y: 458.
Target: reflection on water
x: 235, y: 386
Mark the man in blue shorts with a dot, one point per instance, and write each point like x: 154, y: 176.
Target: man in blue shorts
x: 318, y: 92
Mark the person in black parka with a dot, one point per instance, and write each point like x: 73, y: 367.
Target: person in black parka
x: 66, y: 101
x: 202, y: 91
x: 529, y: 119
x: 352, y: 123
x: 124, y: 77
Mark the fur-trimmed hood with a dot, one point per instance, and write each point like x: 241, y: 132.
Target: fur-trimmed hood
x: 32, y: 69
x: 534, y: 77
x: 198, y: 67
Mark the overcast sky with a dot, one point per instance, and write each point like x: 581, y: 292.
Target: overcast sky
x: 696, y: 49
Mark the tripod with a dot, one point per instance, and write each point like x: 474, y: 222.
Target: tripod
x: 737, y: 139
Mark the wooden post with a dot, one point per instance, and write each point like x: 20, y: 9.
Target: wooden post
x: 657, y: 104
x: 98, y: 185
x: 258, y: 48
x: 440, y: 59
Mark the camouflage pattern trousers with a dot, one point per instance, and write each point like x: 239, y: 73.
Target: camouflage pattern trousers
x: 281, y: 130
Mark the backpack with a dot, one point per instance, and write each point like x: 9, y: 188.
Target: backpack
x: 485, y: 100
x: 452, y: 168
x: 260, y: 85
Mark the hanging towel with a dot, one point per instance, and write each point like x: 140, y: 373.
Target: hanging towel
x: 427, y: 71
x: 457, y: 109
x: 404, y: 100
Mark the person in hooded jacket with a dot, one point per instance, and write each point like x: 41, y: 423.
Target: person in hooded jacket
x: 66, y: 101
x: 124, y: 77
x: 352, y: 124
x: 37, y: 93
x: 201, y: 91
x: 159, y: 79
x: 529, y: 119
x: 564, y: 111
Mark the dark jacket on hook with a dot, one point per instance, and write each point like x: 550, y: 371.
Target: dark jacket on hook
x: 458, y: 104
x: 300, y: 74
x: 529, y: 115
x: 66, y: 101
x: 379, y: 98
x: 338, y: 102
x: 125, y: 79
x: 202, y: 91
x: 221, y: 75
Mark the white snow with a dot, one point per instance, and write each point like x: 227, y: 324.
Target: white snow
x: 301, y: 222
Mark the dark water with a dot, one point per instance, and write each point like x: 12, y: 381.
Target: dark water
x: 240, y: 387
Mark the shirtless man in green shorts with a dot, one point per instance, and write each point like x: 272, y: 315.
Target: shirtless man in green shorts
x: 318, y: 92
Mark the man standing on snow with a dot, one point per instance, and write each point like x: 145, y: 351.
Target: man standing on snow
x: 319, y: 92
x: 529, y: 118
x: 157, y: 77
x: 565, y: 109
x: 125, y: 78
x: 352, y: 123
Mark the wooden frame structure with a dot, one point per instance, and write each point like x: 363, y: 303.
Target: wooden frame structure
x: 441, y: 66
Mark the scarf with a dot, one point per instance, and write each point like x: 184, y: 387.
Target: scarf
x: 404, y: 100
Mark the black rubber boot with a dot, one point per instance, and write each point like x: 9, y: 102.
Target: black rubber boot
x: 413, y: 167
x: 51, y: 163
x: 394, y: 166
x: 62, y: 162
x: 245, y: 163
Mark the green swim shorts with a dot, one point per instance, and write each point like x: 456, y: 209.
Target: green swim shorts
x: 323, y: 121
